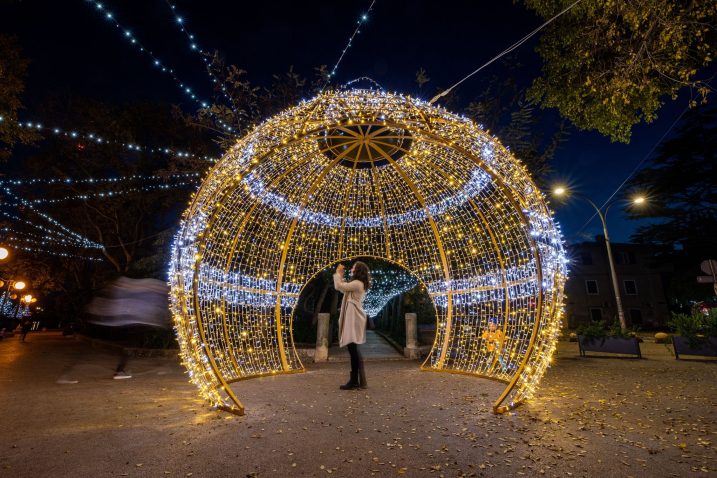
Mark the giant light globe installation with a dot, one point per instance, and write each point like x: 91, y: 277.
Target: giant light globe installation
x: 366, y: 173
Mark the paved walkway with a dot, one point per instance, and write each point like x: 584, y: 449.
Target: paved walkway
x: 375, y: 348
x: 593, y: 417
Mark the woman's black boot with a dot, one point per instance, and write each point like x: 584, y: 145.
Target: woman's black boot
x: 362, y: 378
x: 352, y: 383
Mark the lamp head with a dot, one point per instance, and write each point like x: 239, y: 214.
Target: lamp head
x: 4, y: 253
x: 19, y: 285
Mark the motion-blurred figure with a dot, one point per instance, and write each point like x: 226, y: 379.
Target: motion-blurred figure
x: 130, y: 302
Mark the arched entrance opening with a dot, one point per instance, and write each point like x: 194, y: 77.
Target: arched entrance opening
x: 395, y: 291
x: 366, y: 173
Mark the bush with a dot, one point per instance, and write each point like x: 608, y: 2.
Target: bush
x: 696, y: 326
x: 600, y: 330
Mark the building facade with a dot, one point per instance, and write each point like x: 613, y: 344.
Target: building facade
x: 589, y: 289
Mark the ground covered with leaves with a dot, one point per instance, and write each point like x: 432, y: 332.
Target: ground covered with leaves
x: 592, y: 417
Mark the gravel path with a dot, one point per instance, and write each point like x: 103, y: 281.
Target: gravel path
x: 596, y: 417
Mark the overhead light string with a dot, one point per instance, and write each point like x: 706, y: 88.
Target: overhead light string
x: 104, y: 194
x: 115, y: 179
x: 360, y: 22
x: 181, y: 23
x: 57, y: 236
x: 132, y: 39
x: 87, y: 243
x: 94, y: 138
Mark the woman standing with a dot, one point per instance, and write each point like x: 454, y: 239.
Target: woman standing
x: 352, y: 318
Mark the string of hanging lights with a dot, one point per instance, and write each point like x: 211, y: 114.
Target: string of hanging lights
x: 194, y: 46
x: 186, y: 89
x: 86, y: 196
x: 96, y: 139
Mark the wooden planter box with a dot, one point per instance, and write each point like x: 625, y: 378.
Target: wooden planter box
x: 610, y: 345
x: 706, y: 348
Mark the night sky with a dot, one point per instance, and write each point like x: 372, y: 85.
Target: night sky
x: 75, y: 51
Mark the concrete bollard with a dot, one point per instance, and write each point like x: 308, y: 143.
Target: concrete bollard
x: 411, y: 350
x: 322, y: 338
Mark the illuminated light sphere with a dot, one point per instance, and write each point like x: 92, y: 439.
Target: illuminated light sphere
x: 4, y: 253
x: 355, y: 173
x: 27, y: 298
x: 19, y: 285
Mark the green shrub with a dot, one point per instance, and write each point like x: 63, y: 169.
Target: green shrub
x: 593, y: 330
x: 600, y: 330
x: 696, y: 326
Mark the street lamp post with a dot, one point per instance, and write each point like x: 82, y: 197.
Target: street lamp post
x: 560, y: 192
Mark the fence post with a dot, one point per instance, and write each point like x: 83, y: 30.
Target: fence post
x: 411, y: 350
x: 321, y: 353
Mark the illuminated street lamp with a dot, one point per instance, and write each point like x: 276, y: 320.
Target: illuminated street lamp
x: 4, y: 253
x: 561, y: 192
x: 19, y: 285
x: 27, y: 298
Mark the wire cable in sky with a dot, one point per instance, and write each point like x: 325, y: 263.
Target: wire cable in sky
x: 504, y: 52
x: 634, y: 170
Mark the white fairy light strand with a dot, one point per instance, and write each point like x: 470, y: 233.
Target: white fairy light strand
x: 58, y: 236
x: 203, y: 54
x: 110, y: 180
x: 87, y: 243
x: 95, y: 138
x: 386, y: 285
x: 362, y: 19
x: 129, y: 36
x: 104, y: 194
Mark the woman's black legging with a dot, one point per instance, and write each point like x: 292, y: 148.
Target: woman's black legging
x: 355, y: 357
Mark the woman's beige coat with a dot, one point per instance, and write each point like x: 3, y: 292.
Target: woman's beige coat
x: 352, y: 318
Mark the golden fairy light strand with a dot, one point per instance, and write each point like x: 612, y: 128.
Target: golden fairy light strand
x: 363, y: 173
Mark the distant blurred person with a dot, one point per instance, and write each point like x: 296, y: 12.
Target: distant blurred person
x: 131, y: 302
x: 25, y: 327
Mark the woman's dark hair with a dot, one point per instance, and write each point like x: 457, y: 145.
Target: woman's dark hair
x: 362, y: 273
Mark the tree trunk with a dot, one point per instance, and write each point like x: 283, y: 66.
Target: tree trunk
x: 319, y: 303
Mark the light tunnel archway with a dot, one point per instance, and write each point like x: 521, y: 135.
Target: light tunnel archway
x: 366, y: 173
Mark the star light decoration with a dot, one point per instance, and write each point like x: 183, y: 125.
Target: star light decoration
x: 355, y: 173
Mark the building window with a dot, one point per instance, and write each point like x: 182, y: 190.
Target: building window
x: 625, y: 258
x: 586, y: 258
x: 630, y: 287
x: 596, y: 314
x: 636, y: 316
x: 592, y: 287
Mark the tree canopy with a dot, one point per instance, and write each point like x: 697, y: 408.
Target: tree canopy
x: 610, y: 64
x: 13, y: 67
